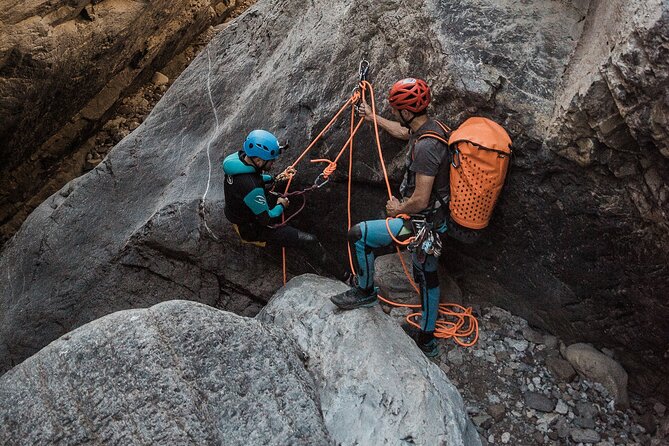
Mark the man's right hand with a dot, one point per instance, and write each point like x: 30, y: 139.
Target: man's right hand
x: 283, y: 202
x: 365, y: 111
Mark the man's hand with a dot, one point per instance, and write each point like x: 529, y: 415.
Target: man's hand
x: 393, y: 207
x: 365, y: 111
x: 283, y: 202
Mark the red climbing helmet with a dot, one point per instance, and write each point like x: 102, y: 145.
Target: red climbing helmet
x: 410, y: 94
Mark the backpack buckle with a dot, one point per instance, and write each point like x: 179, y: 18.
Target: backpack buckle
x: 456, y: 159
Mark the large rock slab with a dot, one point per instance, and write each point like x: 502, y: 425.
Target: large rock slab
x: 176, y: 373
x: 375, y: 385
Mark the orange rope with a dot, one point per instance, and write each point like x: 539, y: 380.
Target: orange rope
x: 290, y: 170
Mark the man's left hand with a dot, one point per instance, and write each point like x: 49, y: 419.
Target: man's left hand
x: 393, y: 207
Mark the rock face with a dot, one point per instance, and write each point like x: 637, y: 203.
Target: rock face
x: 567, y: 249
x: 184, y: 373
x: 375, y: 385
x: 176, y: 373
x: 63, y: 67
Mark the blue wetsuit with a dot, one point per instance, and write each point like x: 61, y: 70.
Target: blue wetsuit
x: 428, y: 157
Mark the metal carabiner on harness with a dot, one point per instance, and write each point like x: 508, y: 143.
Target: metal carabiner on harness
x: 320, y: 181
x: 363, y: 69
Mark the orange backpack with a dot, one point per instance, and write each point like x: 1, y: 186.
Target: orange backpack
x: 481, y: 150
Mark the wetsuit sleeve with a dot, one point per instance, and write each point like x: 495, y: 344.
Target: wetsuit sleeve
x: 257, y: 202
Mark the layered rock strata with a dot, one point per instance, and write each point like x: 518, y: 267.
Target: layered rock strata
x: 64, y: 65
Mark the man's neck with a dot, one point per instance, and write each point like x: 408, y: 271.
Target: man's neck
x: 418, y: 122
x: 248, y: 160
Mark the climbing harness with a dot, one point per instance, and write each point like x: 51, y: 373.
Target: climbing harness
x: 455, y: 321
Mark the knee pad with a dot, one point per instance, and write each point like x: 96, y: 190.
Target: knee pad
x: 354, y: 234
x: 431, y: 279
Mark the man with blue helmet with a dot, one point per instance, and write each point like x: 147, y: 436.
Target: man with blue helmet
x: 246, y: 203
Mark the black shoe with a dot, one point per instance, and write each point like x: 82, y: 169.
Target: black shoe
x: 355, y: 298
x: 423, y: 339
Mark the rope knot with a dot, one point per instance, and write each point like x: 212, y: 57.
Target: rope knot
x: 287, y: 174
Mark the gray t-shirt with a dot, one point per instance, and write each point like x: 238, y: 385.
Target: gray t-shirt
x: 428, y: 157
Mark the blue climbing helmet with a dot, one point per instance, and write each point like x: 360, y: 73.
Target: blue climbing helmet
x: 262, y: 144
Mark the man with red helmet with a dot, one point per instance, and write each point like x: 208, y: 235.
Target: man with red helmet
x: 424, y: 188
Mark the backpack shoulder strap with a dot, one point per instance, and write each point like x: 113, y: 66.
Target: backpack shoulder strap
x: 435, y: 135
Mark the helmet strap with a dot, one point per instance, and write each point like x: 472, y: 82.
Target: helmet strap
x: 406, y: 123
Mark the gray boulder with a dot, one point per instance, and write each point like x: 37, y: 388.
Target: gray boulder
x: 597, y: 367
x: 176, y: 373
x: 375, y: 385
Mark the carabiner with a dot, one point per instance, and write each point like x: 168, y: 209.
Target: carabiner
x: 363, y: 69
x: 320, y: 181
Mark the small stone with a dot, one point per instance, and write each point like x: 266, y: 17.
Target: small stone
x: 160, y: 79
x: 586, y: 410
x: 539, y: 402
x: 561, y: 369
x: 502, y: 355
x: 483, y: 421
x: 533, y: 336
x: 518, y: 345
x: 491, y: 439
x: 659, y: 409
x: 538, y: 438
x: 455, y: 357
x: 647, y: 421
x: 506, y: 437
x: 584, y: 436
x: 551, y: 342
x: 585, y: 423
x: 562, y: 428
x: 561, y: 408
x: 497, y: 412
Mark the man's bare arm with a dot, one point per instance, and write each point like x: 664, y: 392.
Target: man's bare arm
x: 393, y: 127
x: 417, y: 202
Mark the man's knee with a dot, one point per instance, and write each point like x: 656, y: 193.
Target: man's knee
x: 306, y: 237
x: 355, y: 233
